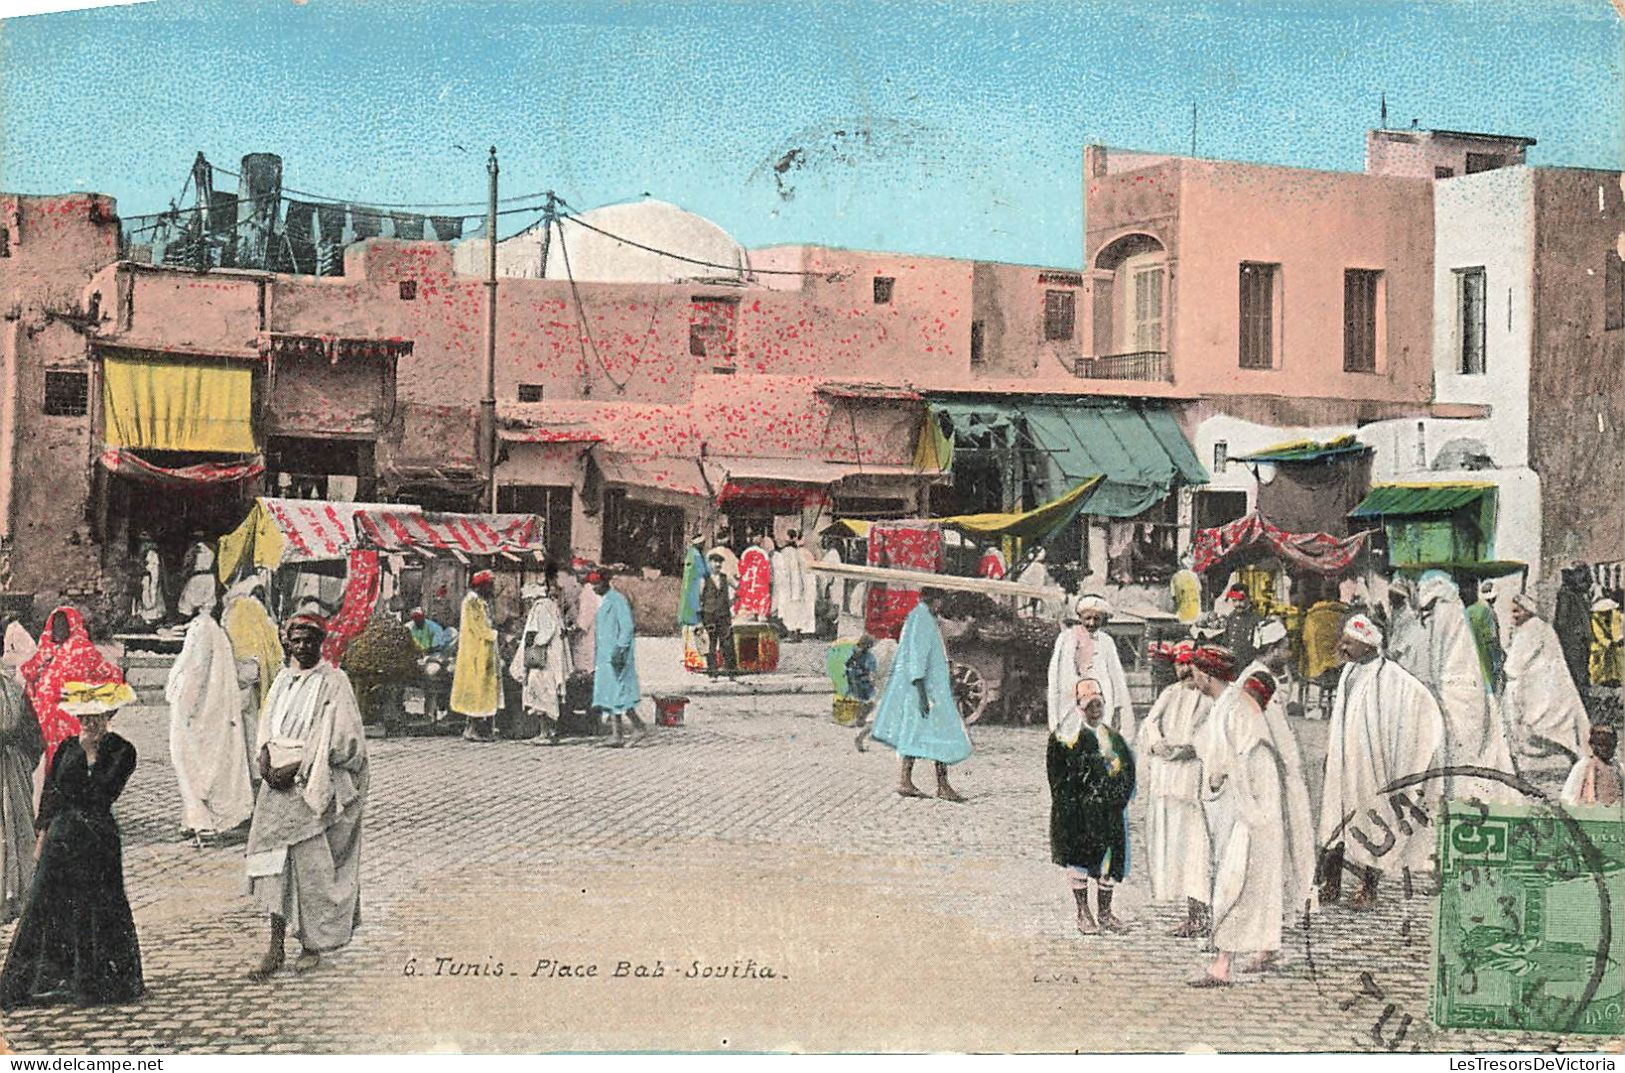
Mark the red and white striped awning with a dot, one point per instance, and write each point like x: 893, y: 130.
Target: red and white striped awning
x: 406, y: 529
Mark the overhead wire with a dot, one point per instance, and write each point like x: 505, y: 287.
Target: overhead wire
x: 584, y: 335
x: 744, y: 269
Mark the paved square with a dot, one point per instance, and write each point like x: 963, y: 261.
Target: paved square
x: 746, y: 881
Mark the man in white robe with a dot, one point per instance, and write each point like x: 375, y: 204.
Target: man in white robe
x: 304, y: 848
x: 1544, y: 711
x: 1086, y: 650
x: 1036, y: 574
x: 1474, y: 736
x: 1407, y: 640
x: 207, y: 735
x: 794, y: 598
x: 1242, y: 795
x: 1175, y: 829
x: 1385, y: 725
x: 1268, y: 671
x: 542, y: 660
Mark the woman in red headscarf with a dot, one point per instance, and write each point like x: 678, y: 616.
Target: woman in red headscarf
x: 66, y: 654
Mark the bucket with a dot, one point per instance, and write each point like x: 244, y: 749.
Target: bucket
x: 848, y: 711
x: 669, y: 711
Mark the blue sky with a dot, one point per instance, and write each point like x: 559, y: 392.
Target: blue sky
x: 946, y: 128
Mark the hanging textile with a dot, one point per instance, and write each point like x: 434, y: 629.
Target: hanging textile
x: 365, y: 222
x: 330, y: 223
x: 901, y: 546
x: 934, y: 453
x: 1318, y: 553
x: 129, y: 464
x: 300, y: 221
x: 360, y: 598
x: 173, y: 406
x: 447, y: 228
x: 408, y: 226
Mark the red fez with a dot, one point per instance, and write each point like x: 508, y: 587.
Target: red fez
x: 1183, y: 651
x: 594, y: 578
x: 315, y: 622
x: 1159, y: 650
x: 1236, y: 594
x: 483, y: 577
x: 1219, y: 662
x: 418, y: 615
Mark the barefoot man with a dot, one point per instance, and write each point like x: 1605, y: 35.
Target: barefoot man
x: 304, y: 848
x: 917, y: 715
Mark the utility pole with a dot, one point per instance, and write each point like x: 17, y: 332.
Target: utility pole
x: 200, y: 179
x: 549, y: 215
x: 488, y: 403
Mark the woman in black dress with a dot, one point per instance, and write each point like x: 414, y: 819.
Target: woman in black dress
x: 1091, y: 781
x: 76, y: 941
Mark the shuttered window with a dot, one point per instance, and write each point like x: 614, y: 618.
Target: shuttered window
x: 1360, y: 320
x: 1257, y: 349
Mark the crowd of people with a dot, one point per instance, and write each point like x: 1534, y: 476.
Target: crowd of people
x: 267, y: 742
x: 1417, y: 717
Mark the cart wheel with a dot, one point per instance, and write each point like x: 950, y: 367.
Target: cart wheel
x: 970, y: 691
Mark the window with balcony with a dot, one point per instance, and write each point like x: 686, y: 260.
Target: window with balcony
x: 1257, y: 315
x: 1145, y: 298
x: 1470, y: 320
x: 1060, y: 314
x: 1361, y: 288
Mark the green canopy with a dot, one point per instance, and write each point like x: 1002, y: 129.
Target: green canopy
x: 1308, y: 451
x: 1385, y: 500
x: 1136, y: 446
x: 1139, y: 449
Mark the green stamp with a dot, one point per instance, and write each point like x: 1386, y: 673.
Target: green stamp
x: 1531, y: 901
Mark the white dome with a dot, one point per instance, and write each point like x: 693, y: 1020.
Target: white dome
x: 597, y: 257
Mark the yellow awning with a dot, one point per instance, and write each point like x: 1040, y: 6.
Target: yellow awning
x: 1035, y: 524
x: 178, y: 406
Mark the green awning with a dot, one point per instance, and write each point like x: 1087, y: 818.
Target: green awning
x: 1395, y: 500
x: 1479, y: 568
x: 1139, y: 449
x: 1308, y: 451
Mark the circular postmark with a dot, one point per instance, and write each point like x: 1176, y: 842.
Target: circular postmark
x: 1507, y: 958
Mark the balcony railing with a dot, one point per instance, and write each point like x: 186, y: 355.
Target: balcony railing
x: 1141, y: 365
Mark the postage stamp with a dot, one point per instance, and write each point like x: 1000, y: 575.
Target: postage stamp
x: 1530, y: 900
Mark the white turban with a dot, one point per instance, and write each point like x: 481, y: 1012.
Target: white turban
x: 1362, y: 629
x: 1094, y: 603
x: 1268, y: 632
x: 1527, y: 602
x: 1433, y: 585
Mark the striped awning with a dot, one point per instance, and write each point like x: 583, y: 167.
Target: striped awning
x: 430, y: 533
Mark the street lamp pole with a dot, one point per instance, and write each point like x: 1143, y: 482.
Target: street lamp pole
x: 488, y: 403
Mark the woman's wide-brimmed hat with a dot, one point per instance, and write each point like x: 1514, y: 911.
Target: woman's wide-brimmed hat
x: 96, y: 698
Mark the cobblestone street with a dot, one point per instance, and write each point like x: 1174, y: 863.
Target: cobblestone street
x: 583, y: 898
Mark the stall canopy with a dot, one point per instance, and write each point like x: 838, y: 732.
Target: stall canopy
x: 1137, y: 447
x: 1309, y: 451
x: 1318, y: 553
x: 397, y: 529
x: 178, y: 406
x: 1434, y: 523
x: 1037, y: 524
x: 793, y: 482
x: 279, y: 532
x: 129, y: 464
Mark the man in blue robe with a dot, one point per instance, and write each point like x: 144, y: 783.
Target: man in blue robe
x: 688, y: 602
x: 917, y: 715
x: 615, y: 666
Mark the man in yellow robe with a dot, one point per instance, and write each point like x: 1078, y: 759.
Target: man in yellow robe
x: 254, y: 636
x: 476, y: 688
